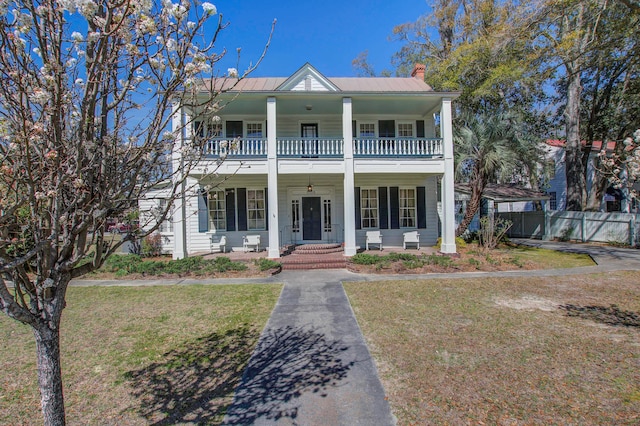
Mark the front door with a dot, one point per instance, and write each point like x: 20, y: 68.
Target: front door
x: 309, y: 133
x: 311, y: 219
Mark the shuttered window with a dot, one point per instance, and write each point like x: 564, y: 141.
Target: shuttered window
x: 217, y: 210
x: 256, y: 217
x: 407, y: 199
x: 369, y: 207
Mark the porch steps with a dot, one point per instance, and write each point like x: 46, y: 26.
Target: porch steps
x: 315, y: 256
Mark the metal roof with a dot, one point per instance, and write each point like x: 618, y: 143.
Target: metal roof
x: 505, y: 193
x: 345, y: 84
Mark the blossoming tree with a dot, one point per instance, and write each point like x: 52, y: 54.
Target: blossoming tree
x: 88, y: 89
x: 622, y: 166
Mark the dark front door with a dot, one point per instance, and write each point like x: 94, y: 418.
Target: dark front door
x: 311, y: 219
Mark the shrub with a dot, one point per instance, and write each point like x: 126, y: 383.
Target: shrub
x: 266, y: 264
x: 366, y: 259
x: 566, y: 233
x: 413, y: 264
x: 460, y: 242
x: 493, y: 231
x: 393, y: 257
x: 444, y: 261
x: 152, y: 245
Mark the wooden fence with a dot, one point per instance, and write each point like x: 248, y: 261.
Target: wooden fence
x: 621, y: 228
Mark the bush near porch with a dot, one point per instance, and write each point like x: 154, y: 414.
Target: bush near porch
x: 470, y: 257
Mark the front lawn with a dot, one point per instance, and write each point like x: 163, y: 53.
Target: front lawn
x: 130, y: 355
x: 544, y: 350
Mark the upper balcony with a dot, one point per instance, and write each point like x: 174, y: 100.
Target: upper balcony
x: 368, y: 147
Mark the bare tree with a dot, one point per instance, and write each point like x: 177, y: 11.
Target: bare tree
x: 88, y: 90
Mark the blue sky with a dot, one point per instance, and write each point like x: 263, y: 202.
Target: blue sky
x: 328, y: 34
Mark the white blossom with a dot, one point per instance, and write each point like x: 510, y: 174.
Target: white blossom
x: 77, y: 37
x: 232, y: 72
x: 209, y: 9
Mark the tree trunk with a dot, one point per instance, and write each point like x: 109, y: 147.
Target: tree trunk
x: 50, y: 375
x: 594, y: 197
x: 573, y: 149
x: 472, y: 207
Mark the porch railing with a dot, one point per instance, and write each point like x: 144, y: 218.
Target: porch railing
x: 397, y: 147
x: 221, y: 147
x: 310, y: 147
x: 326, y: 147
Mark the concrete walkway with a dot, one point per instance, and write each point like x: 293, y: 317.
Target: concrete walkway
x: 312, y: 366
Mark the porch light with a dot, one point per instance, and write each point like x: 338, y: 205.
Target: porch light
x: 309, y: 187
x: 309, y: 107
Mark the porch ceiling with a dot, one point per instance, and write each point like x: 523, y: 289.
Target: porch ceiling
x: 331, y: 104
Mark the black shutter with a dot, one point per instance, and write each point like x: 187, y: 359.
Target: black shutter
x: 421, y: 200
x: 420, y: 128
x: 266, y: 209
x: 354, y: 129
x: 387, y: 128
x: 383, y: 207
x: 230, y: 201
x: 203, y: 211
x: 242, y: 209
x: 234, y: 129
x: 357, y: 208
x: 394, y: 200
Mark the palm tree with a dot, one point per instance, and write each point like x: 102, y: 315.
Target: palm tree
x: 490, y: 148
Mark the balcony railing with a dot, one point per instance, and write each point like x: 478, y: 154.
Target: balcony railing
x: 310, y: 147
x: 326, y: 147
x: 397, y: 147
x: 221, y: 147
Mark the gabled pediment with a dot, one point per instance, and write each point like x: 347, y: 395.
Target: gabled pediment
x: 307, y: 79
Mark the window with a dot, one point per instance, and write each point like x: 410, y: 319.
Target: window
x: 405, y: 130
x: 327, y: 215
x: 553, y: 202
x: 209, y: 130
x: 167, y: 223
x: 217, y: 210
x: 254, y: 130
x: 367, y: 130
x: 295, y: 215
x: 255, y: 209
x: 407, y: 208
x: 369, y: 208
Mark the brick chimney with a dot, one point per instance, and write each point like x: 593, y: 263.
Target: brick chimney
x: 418, y: 71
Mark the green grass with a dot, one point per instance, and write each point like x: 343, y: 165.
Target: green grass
x: 502, y: 351
x: 132, y: 354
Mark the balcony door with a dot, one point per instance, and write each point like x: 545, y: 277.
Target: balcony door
x: 309, y: 133
x: 311, y: 219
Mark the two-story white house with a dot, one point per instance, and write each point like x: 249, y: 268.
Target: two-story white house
x: 318, y: 160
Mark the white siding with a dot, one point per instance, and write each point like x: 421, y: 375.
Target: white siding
x: 393, y: 237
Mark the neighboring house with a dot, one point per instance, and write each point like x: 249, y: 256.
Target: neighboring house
x: 613, y: 200
x: 498, y: 198
x: 317, y: 160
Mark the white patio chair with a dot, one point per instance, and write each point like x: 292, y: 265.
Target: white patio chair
x: 251, y: 241
x: 220, y: 245
x: 411, y: 238
x: 374, y: 237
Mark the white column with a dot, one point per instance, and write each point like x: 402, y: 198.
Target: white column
x: 181, y: 131
x: 448, y: 200
x: 272, y: 180
x: 350, y: 248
